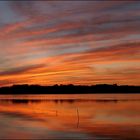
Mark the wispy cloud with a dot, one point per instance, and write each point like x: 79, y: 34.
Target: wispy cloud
x: 80, y: 42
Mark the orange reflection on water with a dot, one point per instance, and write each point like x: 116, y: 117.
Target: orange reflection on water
x: 63, y: 118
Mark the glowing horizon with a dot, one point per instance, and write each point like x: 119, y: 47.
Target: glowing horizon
x: 69, y: 42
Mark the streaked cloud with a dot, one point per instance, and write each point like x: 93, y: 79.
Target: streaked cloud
x: 62, y: 42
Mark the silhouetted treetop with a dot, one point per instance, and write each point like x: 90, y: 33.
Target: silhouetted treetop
x: 69, y: 89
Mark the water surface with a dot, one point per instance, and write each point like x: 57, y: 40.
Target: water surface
x: 85, y: 116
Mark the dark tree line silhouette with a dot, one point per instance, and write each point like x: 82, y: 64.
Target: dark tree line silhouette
x: 69, y: 89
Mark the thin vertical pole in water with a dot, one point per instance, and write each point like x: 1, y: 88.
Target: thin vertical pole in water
x: 77, y: 118
x: 56, y: 112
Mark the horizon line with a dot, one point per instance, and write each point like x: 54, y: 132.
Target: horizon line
x: 68, y: 85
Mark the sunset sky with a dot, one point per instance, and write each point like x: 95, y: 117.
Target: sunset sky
x: 69, y: 42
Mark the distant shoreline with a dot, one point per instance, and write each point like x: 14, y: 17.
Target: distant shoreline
x: 70, y: 89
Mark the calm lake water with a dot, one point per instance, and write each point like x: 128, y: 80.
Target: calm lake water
x: 96, y: 116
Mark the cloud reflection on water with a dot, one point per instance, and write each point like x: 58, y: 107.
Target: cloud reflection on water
x: 57, y: 118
